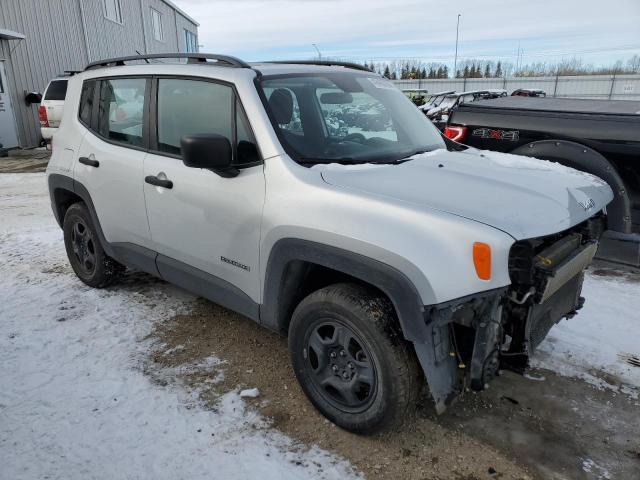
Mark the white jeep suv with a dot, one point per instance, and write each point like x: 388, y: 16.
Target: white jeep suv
x: 318, y: 201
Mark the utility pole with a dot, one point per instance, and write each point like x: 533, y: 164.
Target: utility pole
x: 317, y: 50
x: 455, y: 61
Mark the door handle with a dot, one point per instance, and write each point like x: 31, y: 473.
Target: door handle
x: 153, y: 180
x: 89, y: 161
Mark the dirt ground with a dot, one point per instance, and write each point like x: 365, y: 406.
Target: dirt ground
x: 541, y: 426
x: 25, y: 161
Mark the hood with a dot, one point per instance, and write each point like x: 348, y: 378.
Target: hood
x: 524, y: 197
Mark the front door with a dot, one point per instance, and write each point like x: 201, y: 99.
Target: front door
x: 8, y: 137
x: 203, y: 220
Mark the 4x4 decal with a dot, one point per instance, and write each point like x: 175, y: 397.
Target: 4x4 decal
x: 511, y: 135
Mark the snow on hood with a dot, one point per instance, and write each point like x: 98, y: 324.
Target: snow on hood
x: 523, y: 196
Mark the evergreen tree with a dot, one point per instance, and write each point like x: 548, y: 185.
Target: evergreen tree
x: 458, y: 74
x: 439, y: 73
x: 487, y: 71
x: 431, y: 73
x: 394, y: 76
x: 498, y: 73
x: 387, y: 73
x: 445, y: 72
x: 423, y: 73
x: 466, y: 72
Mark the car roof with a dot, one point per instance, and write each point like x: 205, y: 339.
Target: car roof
x: 268, y: 68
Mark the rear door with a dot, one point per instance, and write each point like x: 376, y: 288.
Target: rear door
x: 110, y: 159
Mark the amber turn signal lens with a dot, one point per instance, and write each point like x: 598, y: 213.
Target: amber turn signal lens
x: 482, y: 260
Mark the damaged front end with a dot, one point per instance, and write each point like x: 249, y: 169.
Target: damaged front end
x: 473, y: 338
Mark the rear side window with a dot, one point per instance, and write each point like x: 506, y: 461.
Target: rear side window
x: 86, y: 102
x: 57, y: 90
x: 187, y: 107
x: 121, y: 110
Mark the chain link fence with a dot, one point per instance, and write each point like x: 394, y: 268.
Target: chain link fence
x: 607, y: 87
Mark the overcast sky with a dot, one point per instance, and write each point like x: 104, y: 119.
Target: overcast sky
x: 598, y: 31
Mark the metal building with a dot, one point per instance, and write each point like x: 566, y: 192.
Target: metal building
x: 41, y: 39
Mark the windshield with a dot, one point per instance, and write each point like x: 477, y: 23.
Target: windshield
x: 348, y: 117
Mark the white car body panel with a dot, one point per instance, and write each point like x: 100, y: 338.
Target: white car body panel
x: 523, y: 197
x: 205, y: 217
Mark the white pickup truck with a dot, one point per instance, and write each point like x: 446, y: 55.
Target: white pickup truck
x: 52, y: 106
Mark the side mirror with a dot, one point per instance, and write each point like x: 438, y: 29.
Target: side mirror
x: 210, y: 151
x: 33, y: 97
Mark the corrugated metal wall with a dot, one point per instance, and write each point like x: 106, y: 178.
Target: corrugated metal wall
x: 183, y: 24
x: 55, y: 41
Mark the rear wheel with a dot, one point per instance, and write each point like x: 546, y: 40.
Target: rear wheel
x: 351, y: 360
x: 87, y: 257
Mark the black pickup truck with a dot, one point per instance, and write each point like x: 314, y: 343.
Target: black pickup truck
x: 601, y: 137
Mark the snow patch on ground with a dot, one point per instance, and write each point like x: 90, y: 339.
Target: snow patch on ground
x: 593, y: 344
x: 74, y: 401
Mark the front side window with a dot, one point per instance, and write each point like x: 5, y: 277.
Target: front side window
x: 156, y: 21
x: 121, y: 110
x: 86, y: 101
x: 187, y: 107
x: 348, y: 117
x: 112, y: 10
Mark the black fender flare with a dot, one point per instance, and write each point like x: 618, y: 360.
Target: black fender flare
x: 59, y: 182
x: 586, y: 159
x: 128, y: 254
x: 392, y: 282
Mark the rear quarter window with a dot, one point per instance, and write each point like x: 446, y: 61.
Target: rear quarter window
x: 57, y: 90
x: 86, y: 102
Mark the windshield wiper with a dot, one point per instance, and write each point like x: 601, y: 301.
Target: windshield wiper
x: 408, y: 158
x: 342, y: 160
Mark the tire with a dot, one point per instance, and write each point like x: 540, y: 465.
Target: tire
x: 87, y: 257
x: 351, y: 359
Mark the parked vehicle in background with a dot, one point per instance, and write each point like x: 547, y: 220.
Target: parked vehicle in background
x: 52, y: 106
x: 417, y: 95
x: 528, y: 92
x: 601, y: 137
x: 439, y: 114
x: 315, y: 199
x: 435, y: 99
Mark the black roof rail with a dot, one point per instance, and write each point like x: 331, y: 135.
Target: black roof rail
x: 223, y: 60
x: 328, y: 63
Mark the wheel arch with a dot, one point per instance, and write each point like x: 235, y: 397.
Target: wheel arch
x: 584, y: 158
x: 65, y: 191
x: 288, y: 267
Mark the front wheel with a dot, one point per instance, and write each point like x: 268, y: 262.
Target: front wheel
x: 351, y: 359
